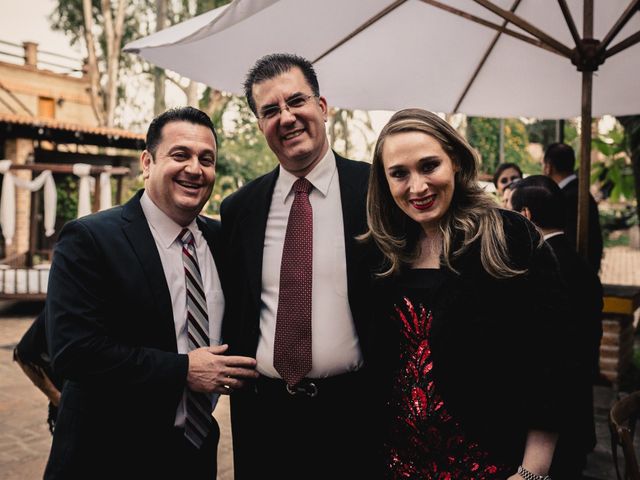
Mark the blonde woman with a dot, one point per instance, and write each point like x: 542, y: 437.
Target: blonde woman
x: 470, y: 306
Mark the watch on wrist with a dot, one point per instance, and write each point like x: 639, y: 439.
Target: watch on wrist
x: 527, y: 475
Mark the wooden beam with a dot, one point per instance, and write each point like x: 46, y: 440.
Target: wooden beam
x: 571, y: 24
x: 630, y: 41
x: 526, y: 26
x: 362, y: 27
x: 57, y: 168
x: 481, y: 21
x: 631, y: 9
x: 483, y: 60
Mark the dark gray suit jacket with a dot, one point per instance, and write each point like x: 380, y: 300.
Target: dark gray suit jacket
x: 111, y: 336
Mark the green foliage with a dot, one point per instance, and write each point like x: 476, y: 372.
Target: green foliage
x: 484, y: 135
x: 69, y: 19
x: 243, y: 152
x: 542, y: 132
x: 67, y: 191
x: 348, y: 130
x: 615, y: 171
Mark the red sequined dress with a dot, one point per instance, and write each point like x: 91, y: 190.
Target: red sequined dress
x: 425, y: 441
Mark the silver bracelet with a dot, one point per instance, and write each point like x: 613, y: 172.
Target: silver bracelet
x: 527, y: 475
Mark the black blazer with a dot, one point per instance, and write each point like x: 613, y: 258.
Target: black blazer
x: 111, y: 336
x: 594, y: 249
x: 244, y: 220
x: 585, y: 297
x: 496, y: 343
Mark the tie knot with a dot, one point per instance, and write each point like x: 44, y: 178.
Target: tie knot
x: 302, y: 185
x: 186, y: 237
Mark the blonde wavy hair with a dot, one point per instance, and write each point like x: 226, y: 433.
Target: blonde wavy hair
x: 472, y: 216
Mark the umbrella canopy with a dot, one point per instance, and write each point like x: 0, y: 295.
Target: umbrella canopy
x: 501, y: 58
x: 387, y: 55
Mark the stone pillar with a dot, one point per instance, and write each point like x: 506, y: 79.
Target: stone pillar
x: 18, y: 151
x: 616, y: 348
x: 30, y: 54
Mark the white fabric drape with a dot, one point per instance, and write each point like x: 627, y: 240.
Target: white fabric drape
x: 87, y: 185
x: 105, y: 189
x: 83, y: 170
x: 8, y: 199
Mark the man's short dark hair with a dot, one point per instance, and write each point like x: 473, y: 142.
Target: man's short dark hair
x: 561, y: 157
x: 542, y: 196
x: 275, y: 64
x: 179, y: 114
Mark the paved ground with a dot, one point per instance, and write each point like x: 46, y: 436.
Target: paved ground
x: 25, y: 438
x: 24, y: 435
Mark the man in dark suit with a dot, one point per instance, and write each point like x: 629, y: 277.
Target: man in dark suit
x: 133, y: 317
x: 538, y: 197
x: 319, y: 414
x: 558, y: 164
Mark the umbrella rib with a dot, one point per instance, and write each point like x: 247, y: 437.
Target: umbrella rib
x: 533, y: 41
x: 362, y: 27
x: 619, y: 25
x: 571, y: 24
x: 624, y: 44
x: 484, y: 59
x: 526, y: 26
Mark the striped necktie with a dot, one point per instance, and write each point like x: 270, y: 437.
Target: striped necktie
x: 198, y: 407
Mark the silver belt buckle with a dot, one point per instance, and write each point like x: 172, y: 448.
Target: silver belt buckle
x: 309, y: 389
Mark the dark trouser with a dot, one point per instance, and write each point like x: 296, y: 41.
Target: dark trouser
x: 163, y: 454
x: 323, y: 432
x: 193, y: 463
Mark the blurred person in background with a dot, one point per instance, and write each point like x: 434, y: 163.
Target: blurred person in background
x: 540, y: 200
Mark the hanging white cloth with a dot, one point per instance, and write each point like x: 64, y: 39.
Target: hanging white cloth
x: 105, y: 189
x: 8, y: 199
x: 83, y: 170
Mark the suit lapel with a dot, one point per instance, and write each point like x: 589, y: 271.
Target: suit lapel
x: 353, y: 201
x: 253, y: 224
x: 143, y: 244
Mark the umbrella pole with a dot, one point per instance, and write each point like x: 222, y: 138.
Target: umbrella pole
x: 584, y: 178
x: 585, y: 140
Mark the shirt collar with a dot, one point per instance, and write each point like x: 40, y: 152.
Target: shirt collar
x: 320, y: 177
x: 552, y: 234
x: 563, y: 183
x: 166, y: 229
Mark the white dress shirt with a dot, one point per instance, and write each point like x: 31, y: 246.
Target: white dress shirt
x: 565, y: 181
x: 334, y: 343
x: 165, y: 233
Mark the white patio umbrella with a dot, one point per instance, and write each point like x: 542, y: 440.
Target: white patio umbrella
x: 500, y: 58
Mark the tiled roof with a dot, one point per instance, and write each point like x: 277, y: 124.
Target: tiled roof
x: 76, y: 127
x: 67, y: 132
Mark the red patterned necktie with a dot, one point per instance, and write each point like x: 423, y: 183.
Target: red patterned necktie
x: 292, y: 343
x: 198, y: 419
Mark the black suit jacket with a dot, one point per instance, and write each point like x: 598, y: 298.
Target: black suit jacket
x: 111, y: 336
x: 585, y: 323
x: 594, y: 250
x: 244, y: 219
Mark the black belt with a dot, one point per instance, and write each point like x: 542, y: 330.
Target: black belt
x: 310, y: 387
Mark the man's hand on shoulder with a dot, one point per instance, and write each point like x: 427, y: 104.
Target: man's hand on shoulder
x: 212, y: 371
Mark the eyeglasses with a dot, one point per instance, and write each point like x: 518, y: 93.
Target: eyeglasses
x: 291, y: 105
x: 505, y: 180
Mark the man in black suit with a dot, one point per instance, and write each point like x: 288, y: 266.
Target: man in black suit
x: 133, y: 317
x: 558, y: 164
x: 320, y: 419
x: 538, y: 198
